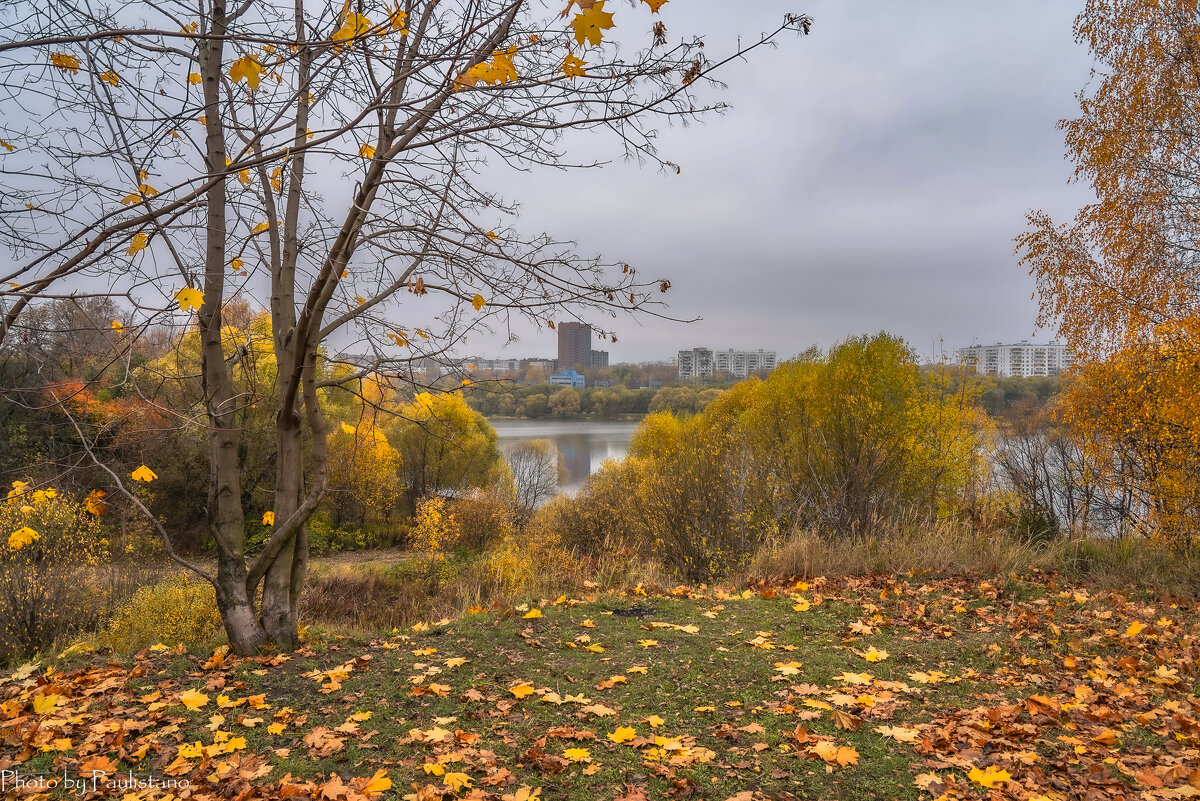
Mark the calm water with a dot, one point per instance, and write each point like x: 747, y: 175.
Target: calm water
x: 584, y: 444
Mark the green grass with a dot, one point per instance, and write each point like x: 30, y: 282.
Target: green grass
x: 717, y: 688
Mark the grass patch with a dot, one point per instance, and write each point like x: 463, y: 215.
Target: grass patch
x: 858, y: 688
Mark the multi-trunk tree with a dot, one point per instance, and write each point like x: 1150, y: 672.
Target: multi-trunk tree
x: 323, y: 159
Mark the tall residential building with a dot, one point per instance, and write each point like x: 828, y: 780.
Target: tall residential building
x: 694, y: 363
x: 1022, y: 359
x: 575, y: 347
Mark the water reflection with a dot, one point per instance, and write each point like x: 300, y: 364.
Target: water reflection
x: 584, y: 445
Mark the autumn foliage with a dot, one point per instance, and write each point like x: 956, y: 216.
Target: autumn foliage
x: 1119, y: 281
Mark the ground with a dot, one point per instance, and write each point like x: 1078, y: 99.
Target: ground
x: 882, y: 687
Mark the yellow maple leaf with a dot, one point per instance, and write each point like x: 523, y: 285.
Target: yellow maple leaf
x: 189, y: 298
x: 143, y: 473
x: 268, y: 518
x: 353, y: 26
x: 398, y: 21
x: 94, y: 503
x: 655, y: 721
x: 457, y: 781
x: 456, y: 661
x: 139, y: 242
x: 522, y: 690
x: 366, y: 151
x: 788, y: 668
x: 900, y: 733
x: 590, y: 25
x: 111, y: 78
x: 258, y: 229
x: 194, y: 78
x: 144, y: 191
x: 65, y: 62
x: 22, y: 537
x: 990, y: 777
x: 655, y: 5
x: 573, y: 66
x: 1135, y: 628
x: 533, y: 614
x: 377, y: 784
x: 478, y: 302
x: 236, y: 264
x: 248, y: 69
x: 623, y: 734
x: 193, y: 700
x: 578, y: 754
x: 7, y: 146
x: 45, y: 703
x: 874, y: 655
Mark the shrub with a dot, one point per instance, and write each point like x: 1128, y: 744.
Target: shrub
x: 434, y: 528
x: 481, y: 517
x: 50, y: 543
x: 179, y: 609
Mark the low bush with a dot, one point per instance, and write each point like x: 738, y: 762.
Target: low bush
x: 178, y: 609
x: 51, y: 544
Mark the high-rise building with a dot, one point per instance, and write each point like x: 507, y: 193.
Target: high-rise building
x: 1023, y: 359
x: 694, y: 363
x: 575, y: 347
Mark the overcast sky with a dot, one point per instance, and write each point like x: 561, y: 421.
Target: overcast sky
x: 869, y: 177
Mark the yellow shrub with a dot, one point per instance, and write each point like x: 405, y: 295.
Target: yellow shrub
x: 523, y: 564
x: 435, y: 528
x: 179, y: 609
x: 49, y: 544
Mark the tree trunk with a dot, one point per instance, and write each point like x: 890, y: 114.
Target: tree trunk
x: 278, y: 612
x: 245, y: 634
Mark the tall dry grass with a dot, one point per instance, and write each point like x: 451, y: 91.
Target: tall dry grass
x: 948, y: 547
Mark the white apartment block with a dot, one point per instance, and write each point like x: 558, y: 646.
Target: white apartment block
x: 742, y: 363
x: 1021, y: 359
x: 704, y: 363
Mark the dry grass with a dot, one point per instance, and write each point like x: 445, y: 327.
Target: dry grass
x: 949, y: 548
x: 374, y: 596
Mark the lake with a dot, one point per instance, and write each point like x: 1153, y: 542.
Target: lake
x: 584, y: 444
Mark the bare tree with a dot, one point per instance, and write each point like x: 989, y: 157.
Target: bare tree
x: 323, y: 158
x: 537, y: 470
